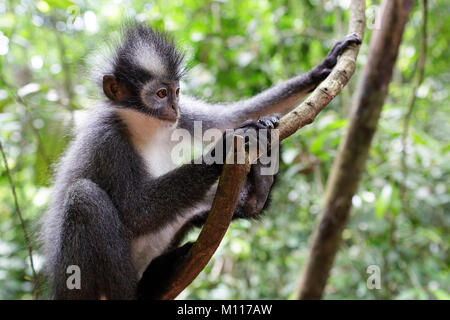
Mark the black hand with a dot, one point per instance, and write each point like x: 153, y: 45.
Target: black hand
x: 263, y: 123
x: 331, y: 59
x: 324, y: 69
x: 270, y: 121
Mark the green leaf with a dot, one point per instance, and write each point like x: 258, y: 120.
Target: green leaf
x: 418, y: 139
x: 7, y: 20
x: 62, y: 4
x: 383, y: 201
x: 441, y: 294
x: 316, y: 146
x: 52, y: 143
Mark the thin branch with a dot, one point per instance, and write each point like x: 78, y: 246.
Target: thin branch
x: 233, y: 176
x: 420, y: 67
x: 22, y: 222
x: 354, y: 147
x: 307, y: 111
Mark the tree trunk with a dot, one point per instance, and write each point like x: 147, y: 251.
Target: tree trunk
x: 354, y: 147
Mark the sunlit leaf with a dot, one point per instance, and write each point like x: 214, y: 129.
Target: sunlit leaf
x: 383, y: 201
x: 441, y: 294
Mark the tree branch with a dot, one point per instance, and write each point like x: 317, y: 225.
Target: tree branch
x: 216, y: 225
x: 233, y: 176
x: 349, y: 164
x: 22, y: 222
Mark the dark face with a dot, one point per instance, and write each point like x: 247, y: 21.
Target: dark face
x: 161, y: 97
x: 158, y: 98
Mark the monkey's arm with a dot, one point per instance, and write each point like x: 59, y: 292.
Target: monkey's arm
x: 278, y: 99
x: 157, y: 202
x: 183, y: 192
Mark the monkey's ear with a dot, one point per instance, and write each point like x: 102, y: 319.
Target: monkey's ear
x: 114, y: 89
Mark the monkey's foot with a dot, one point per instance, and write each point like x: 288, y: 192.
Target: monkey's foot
x: 251, y: 130
x: 270, y: 121
x: 331, y: 59
x: 266, y: 122
x: 324, y: 69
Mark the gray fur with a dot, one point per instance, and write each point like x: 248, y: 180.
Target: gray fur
x: 111, y: 212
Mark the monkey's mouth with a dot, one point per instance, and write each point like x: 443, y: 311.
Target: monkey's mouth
x: 169, y: 114
x: 169, y: 122
x: 171, y: 119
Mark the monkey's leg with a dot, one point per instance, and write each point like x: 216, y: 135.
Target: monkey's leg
x: 256, y: 190
x: 254, y: 197
x: 156, y: 277
x: 95, y: 241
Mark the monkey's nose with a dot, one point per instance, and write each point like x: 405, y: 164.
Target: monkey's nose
x: 175, y: 108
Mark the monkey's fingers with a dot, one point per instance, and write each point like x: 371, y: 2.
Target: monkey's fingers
x: 271, y: 121
x: 331, y: 59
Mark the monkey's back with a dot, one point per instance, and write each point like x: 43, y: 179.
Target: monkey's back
x: 88, y: 156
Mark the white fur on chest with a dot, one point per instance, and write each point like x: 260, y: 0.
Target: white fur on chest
x: 157, y: 154
x: 151, y: 138
x: 147, y: 247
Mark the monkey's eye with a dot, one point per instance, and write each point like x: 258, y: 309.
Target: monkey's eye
x: 162, y: 93
x: 177, y: 92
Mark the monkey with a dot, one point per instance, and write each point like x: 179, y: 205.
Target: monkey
x: 119, y: 205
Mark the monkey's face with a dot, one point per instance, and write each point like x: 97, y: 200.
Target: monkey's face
x: 157, y: 98
x: 161, y: 98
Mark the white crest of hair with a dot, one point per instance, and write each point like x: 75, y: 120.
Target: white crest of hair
x: 148, y: 59
x: 100, y: 63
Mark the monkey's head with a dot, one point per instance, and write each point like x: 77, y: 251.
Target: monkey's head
x: 144, y: 73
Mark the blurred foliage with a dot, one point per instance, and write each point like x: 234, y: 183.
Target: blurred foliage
x: 236, y: 49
